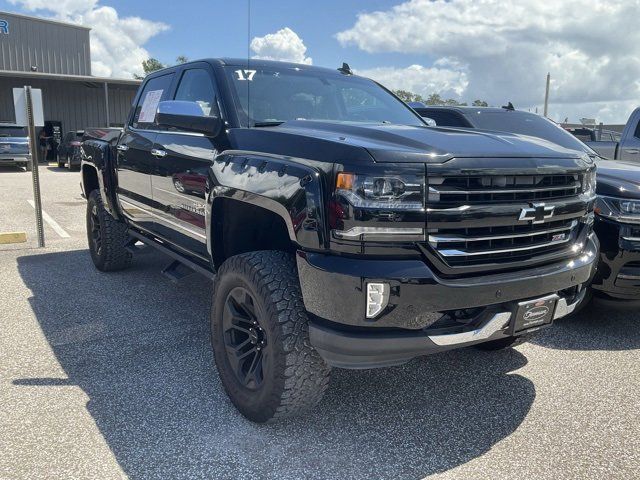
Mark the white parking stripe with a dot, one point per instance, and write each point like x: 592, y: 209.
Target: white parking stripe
x: 52, y: 223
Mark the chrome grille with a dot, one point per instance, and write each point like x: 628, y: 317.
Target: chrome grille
x: 473, y: 246
x: 476, y: 222
x: 503, y: 188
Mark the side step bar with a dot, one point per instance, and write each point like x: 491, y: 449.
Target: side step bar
x: 174, y: 271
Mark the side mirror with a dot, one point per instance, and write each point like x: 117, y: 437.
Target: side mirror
x: 187, y: 116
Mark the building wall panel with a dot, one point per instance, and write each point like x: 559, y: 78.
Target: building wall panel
x: 52, y: 47
x: 76, y: 104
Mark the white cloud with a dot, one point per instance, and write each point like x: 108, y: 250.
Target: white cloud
x: 116, y: 43
x: 422, y: 80
x: 284, y: 45
x: 506, y: 47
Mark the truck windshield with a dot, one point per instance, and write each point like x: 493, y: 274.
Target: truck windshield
x: 268, y: 96
x: 525, y: 123
x: 11, y: 131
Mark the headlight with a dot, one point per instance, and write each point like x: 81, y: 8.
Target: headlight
x: 398, y: 192
x: 618, y: 209
x: 379, y: 207
x: 589, y: 183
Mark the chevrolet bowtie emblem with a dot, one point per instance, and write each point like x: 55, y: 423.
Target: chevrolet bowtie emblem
x: 538, y: 213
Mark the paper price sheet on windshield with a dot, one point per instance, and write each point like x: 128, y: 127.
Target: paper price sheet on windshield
x: 149, y: 106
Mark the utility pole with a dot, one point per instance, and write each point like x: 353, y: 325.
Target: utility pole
x: 546, y: 96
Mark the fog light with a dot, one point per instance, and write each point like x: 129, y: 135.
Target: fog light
x: 377, y: 298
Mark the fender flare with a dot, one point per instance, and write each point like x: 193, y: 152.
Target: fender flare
x: 290, y: 188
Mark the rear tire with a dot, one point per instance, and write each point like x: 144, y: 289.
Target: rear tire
x: 107, y: 237
x: 260, y: 337
x: 503, y: 343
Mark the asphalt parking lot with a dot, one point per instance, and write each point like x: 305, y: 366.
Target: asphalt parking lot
x: 112, y: 376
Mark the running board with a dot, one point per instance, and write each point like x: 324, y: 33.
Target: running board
x: 174, y: 273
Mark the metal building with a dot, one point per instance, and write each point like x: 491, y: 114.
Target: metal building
x: 56, y: 58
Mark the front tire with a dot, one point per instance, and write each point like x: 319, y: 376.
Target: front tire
x: 107, y: 237
x: 60, y: 162
x: 260, y: 337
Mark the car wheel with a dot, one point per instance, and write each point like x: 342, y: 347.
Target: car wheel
x: 27, y: 166
x: 107, y: 237
x: 60, y: 162
x: 179, y: 186
x: 503, y: 343
x: 68, y: 161
x: 260, y: 338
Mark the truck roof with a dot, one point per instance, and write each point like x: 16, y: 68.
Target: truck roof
x: 466, y: 109
x: 253, y: 62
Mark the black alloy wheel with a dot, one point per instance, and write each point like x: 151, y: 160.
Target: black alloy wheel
x: 245, y: 339
x: 94, y: 229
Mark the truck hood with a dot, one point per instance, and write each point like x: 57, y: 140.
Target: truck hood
x: 618, y: 179
x: 391, y: 143
x: 401, y: 143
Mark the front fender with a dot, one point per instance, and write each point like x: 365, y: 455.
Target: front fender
x: 96, y: 154
x: 290, y: 188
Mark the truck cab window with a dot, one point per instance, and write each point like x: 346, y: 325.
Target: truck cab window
x: 155, y: 91
x: 195, y: 86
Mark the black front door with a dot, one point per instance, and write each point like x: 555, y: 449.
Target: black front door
x: 183, y: 159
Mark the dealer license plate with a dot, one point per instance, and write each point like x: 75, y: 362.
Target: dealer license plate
x: 535, y: 313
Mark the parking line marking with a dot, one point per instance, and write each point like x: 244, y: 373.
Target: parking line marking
x: 12, y: 237
x: 52, y: 223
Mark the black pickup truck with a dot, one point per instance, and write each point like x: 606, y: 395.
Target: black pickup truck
x: 339, y: 228
x: 617, y: 219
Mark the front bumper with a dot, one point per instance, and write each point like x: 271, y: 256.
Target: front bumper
x: 618, y: 275
x: 359, y: 349
x: 14, y: 159
x: 333, y: 289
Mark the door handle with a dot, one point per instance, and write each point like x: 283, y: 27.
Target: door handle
x: 633, y: 151
x: 122, y: 148
x: 158, y: 153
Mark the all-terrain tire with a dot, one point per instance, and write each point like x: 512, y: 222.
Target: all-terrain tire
x: 107, y: 237
x: 503, y: 343
x: 294, y: 376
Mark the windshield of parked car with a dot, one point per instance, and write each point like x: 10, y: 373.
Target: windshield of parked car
x: 525, y: 123
x: 268, y: 96
x: 6, y: 131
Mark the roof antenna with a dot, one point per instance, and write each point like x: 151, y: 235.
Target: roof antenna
x: 345, y: 69
x: 248, y: 62
x: 508, y: 106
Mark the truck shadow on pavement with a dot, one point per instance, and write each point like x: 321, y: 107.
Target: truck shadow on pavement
x: 595, y: 328
x: 139, y: 347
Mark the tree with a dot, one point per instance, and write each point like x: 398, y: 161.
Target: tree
x: 407, y: 96
x: 480, y: 103
x: 153, y: 64
x: 148, y: 66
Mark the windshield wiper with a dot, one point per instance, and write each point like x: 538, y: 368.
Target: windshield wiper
x: 267, y: 124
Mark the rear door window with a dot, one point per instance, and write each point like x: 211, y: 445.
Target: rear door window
x: 155, y: 91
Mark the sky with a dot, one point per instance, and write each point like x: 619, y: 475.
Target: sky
x: 493, y: 50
